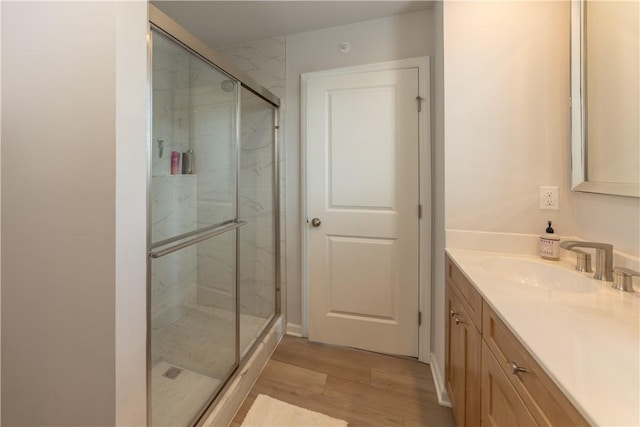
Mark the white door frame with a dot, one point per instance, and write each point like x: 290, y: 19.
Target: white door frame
x: 423, y: 65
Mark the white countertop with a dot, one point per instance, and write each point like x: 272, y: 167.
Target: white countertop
x: 588, y: 343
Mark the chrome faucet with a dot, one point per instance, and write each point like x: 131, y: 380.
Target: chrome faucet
x: 604, y: 257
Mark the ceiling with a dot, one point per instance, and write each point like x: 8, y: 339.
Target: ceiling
x: 228, y: 23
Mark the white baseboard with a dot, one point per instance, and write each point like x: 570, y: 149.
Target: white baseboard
x: 438, y: 379
x: 294, y: 330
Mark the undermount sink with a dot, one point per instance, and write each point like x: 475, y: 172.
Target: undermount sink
x: 539, y: 275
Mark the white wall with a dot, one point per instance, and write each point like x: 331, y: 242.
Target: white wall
x: 438, y: 219
x: 0, y: 213
x: 506, y: 123
x: 380, y: 40
x: 610, y: 219
x: 73, y: 213
x: 131, y: 23
x: 506, y: 115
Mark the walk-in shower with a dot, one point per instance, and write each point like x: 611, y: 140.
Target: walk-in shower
x: 213, y: 235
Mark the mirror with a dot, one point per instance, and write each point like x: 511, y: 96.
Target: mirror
x: 605, y: 88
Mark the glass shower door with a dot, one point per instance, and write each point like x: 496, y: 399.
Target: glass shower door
x: 194, y: 233
x: 258, y: 210
x: 193, y: 344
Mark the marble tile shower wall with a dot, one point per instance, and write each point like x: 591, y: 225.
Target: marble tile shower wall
x: 173, y: 281
x: 191, y: 110
x: 257, y: 259
x: 265, y: 62
x: 170, y: 104
x: 204, y: 121
x: 173, y: 197
x: 212, y: 136
x: 262, y: 60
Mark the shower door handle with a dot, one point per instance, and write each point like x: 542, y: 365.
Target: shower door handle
x: 316, y: 222
x: 200, y: 237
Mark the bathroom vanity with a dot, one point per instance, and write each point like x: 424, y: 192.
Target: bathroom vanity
x: 533, y: 342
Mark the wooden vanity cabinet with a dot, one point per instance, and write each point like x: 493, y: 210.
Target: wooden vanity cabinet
x: 462, y: 349
x: 490, y: 376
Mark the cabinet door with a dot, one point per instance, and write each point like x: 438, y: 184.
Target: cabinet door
x: 471, y: 341
x: 453, y: 365
x: 463, y: 362
x: 501, y: 405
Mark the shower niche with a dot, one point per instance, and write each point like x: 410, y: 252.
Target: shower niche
x: 213, y: 210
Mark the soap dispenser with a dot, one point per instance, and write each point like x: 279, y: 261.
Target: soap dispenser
x: 549, y: 246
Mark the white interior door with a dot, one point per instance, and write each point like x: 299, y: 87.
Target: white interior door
x: 362, y: 165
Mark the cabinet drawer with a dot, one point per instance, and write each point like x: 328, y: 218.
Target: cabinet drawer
x: 547, y: 403
x: 469, y: 294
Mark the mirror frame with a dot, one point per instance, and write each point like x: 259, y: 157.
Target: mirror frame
x: 579, y: 178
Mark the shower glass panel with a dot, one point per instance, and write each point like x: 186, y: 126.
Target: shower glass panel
x: 193, y: 338
x: 193, y: 233
x: 194, y: 121
x: 257, y: 208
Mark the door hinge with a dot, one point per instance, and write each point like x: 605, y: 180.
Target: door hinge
x: 419, y: 99
x: 419, y: 318
x: 419, y: 211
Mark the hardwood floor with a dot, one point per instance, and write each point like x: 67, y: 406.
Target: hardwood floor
x: 363, y: 388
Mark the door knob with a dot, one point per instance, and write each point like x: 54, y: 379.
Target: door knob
x: 316, y: 222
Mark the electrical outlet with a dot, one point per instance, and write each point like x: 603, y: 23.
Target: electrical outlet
x: 549, y: 198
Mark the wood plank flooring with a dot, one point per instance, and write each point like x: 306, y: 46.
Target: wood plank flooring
x: 363, y: 388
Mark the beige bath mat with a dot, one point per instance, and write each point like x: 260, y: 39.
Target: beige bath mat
x: 269, y: 412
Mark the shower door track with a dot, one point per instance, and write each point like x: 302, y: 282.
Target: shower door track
x: 165, y: 24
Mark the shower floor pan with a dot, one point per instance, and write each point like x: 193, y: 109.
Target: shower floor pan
x: 197, y: 350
